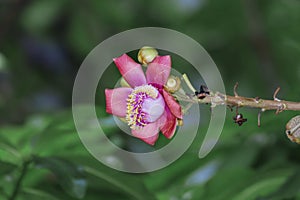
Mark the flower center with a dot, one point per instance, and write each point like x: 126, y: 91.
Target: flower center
x: 144, y: 105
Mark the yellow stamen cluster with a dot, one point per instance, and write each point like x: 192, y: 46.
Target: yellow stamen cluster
x: 147, y: 89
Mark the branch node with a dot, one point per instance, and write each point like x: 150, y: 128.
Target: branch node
x: 258, y: 118
x: 239, y: 119
x: 204, y: 92
x: 235, y: 88
x: 257, y: 99
x: 217, y: 99
x: 188, y: 83
x: 275, y: 94
x: 280, y: 108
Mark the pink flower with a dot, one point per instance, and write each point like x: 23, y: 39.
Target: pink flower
x: 147, y: 107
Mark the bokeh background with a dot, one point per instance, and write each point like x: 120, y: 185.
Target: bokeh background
x: 43, y: 43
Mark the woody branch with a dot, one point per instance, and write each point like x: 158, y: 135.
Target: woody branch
x: 217, y: 98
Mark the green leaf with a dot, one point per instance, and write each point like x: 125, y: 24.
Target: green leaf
x: 260, y: 188
x: 15, y: 139
x: 128, y: 184
x: 58, y: 136
x: 34, y: 194
x: 227, y: 182
x: 32, y: 20
x: 71, y: 177
x: 163, y: 178
x: 50, y: 142
x: 62, y: 121
x: 8, y: 153
x: 2, y: 196
x: 6, y: 167
x: 288, y: 190
x: 61, y: 136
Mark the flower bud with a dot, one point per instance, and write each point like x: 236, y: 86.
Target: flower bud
x: 146, y: 55
x: 173, y: 84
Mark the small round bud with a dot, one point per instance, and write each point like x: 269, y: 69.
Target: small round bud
x: 146, y: 55
x: 239, y: 119
x: 293, y: 129
x: 173, y: 84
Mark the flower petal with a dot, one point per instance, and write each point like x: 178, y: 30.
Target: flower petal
x: 173, y: 105
x: 159, y: 70
x: 154, y: 108
x: 148, y: 133
x: 116, y: 103
x: 130, y: 70
x: 168, y: 123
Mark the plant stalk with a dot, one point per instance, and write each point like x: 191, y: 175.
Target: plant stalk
x: 20, y: 179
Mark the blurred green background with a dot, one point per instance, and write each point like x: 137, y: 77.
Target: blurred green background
x: 42, y: 44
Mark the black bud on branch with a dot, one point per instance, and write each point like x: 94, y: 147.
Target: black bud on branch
x: 204, y: 91
x: 239, y: 119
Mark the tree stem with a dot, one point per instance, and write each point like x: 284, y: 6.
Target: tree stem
x: 20, y: 179
x: 217, y: 98
x: 239, y: 101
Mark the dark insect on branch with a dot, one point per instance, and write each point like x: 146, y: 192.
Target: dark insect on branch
x: 239, y: 119
x: 203, y: 92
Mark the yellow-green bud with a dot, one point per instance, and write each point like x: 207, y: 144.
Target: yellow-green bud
x: 146, y: 55
x: 173, y: 84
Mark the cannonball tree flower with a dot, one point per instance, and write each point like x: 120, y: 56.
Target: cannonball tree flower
x: 146, y: 106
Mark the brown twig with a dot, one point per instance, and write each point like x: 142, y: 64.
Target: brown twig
x: 275, y: 94
x: 235, y: 89
x: 218, y: 98
x: 222, y: 99
x: 258, y: 118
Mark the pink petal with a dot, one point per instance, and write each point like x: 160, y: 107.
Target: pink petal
x: 174, y: 106
x: 154, y: 108
x: 169, y: 123
x: 148, y: 134
x: 130, y: 70
x: 116, y: 103
x: 159, y: 70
